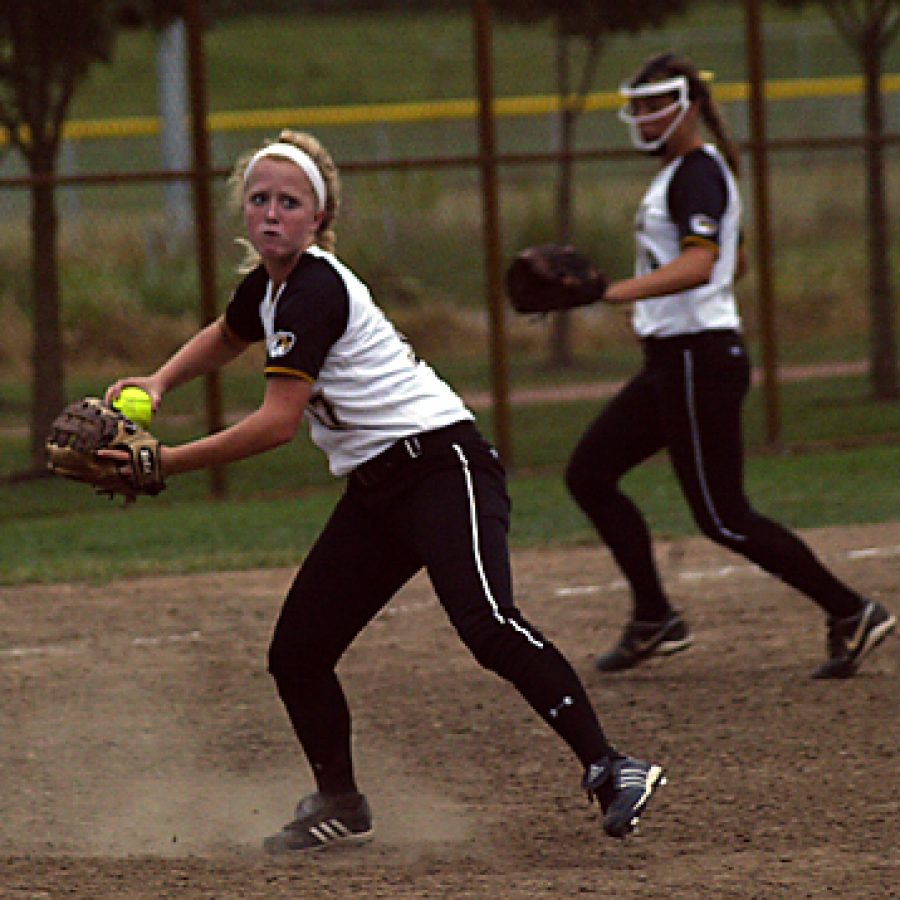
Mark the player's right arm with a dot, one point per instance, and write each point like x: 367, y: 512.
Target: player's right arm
x: 274, y: 423
x: 209, y: 349
x: 691, y: 268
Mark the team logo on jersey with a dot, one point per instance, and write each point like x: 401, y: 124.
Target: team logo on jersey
x: 281, y: 343
x: 703, y: 225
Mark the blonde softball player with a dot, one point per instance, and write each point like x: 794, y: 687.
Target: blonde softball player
x: 423, y: 490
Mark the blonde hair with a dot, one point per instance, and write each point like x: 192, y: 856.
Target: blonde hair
x: 326, y: 237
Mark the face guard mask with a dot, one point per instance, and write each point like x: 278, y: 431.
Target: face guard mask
x: 678, y: 85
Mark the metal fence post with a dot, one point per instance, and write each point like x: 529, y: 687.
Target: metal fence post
x: 759, y: 154
x: 203, y: 213
x: 490, y: 201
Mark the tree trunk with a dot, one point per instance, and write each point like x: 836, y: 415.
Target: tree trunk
x: 883, y: 344
x: 47, y: 349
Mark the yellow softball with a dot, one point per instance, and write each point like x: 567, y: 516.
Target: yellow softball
x: 136, y: 404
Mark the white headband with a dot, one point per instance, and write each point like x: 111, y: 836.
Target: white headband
x: 299, y: 158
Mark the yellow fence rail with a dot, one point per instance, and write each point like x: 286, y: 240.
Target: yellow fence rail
x: 400, y: 113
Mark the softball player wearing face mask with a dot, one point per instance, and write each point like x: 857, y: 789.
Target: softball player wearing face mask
x: 688, y: 396
x: 424, y: 490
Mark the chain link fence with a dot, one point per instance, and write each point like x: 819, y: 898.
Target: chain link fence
x: 411, y: 223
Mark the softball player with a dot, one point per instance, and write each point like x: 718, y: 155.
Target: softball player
x: 424, y: 489
x: 687, y: 397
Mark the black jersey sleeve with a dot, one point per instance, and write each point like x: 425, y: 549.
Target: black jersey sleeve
x: 242, y: 312
x: 697, y: 199
x: 312, y: 315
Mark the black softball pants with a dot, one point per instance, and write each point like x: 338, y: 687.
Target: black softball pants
x: 687, y: 399
x: 446, y: 510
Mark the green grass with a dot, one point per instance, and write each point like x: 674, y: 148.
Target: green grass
x: 52, y: 529
x: 416, y: 238
x: 812, y: 490
x: 183, y: 532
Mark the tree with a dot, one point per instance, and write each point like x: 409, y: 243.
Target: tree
x: 870, y: 26
x: 591, y: 21
x: 46, y: 51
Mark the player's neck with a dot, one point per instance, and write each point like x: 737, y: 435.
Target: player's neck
x: 678, y: 146
x: 278, y: 269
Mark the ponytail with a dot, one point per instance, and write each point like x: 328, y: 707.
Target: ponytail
x: 709, y: 110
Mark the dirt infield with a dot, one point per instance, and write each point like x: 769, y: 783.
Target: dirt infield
x: 144, y: 752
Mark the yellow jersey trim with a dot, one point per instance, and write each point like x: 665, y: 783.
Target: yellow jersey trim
x: 293, y: 373
x: 693, y: 241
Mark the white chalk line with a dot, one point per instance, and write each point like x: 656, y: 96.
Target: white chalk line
x: 717, y: 573
x: 615, y: 584
x: 75, y: 648
x: 869, y: 552
x: 167, y: 639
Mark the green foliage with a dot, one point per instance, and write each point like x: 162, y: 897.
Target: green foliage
x: 424, y: 57
x: 591, y: 19
x: 46, y: 49
x: 870, y: 26
x: 238, y: 8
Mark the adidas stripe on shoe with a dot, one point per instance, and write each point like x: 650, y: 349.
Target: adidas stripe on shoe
x: 322, y: 820
x: 623, y: 788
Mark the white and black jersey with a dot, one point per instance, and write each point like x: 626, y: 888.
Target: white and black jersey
x: 687, y: 399
x: 693, y: 200
x: 424, y: 489
x: 323, y: 326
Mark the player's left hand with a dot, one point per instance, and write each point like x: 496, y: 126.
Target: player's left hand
x: 94, y: 443
x: 551, y: 277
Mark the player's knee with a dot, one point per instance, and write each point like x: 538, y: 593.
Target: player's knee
x: 487, y: 656
x: 288, y: 663
x: 278, y: 666
x: 727, y: 530
x: 585, y: 485
x: 503, y: 651
x: 709, y: 530
x: 575, y: 481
